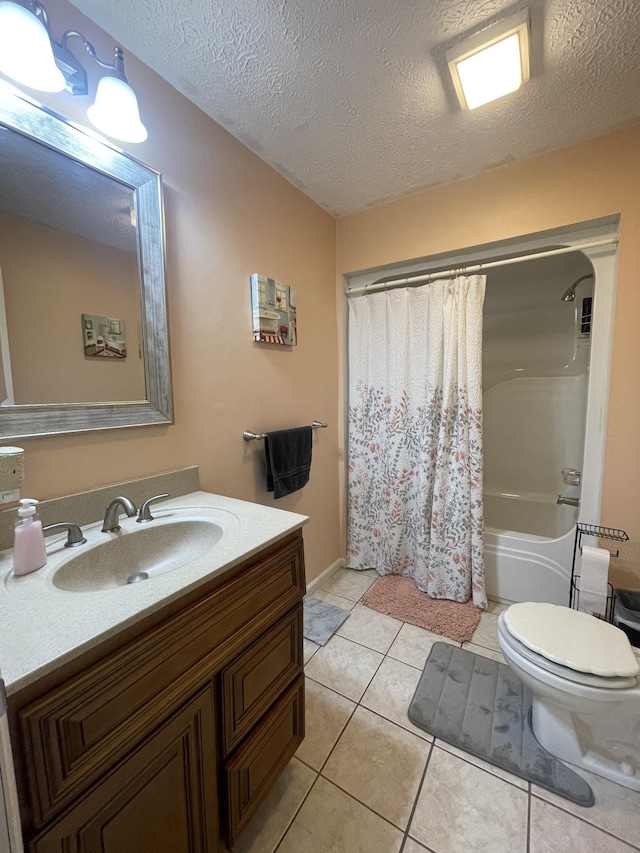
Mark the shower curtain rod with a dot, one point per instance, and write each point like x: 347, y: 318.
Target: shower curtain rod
x: 409, y: 281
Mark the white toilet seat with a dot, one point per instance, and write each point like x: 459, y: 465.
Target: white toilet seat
x: 562, y: 671
x: 572, y: 639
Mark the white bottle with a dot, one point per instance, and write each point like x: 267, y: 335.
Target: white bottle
x: 29, y: 553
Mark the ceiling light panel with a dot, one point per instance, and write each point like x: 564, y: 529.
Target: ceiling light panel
x: 492, y: 63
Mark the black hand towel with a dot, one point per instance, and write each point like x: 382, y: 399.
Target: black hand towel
x: 288, y: 453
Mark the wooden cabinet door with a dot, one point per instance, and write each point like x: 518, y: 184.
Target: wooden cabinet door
x: 162, y: 797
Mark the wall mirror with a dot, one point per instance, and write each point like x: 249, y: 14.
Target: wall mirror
x: 83, y: 320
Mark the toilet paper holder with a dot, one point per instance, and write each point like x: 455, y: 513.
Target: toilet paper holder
x: 598, y: 532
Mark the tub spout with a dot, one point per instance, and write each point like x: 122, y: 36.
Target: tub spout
x: 568, y: 501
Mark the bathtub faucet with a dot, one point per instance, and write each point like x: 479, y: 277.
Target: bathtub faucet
x: 568, y: 501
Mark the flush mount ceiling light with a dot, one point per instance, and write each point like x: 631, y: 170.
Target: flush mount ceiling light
x: 492, y: 63
x: 32, y: 58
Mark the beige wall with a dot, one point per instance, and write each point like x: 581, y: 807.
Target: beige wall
x: 227, y: 215
x: 50, y: 279
x: 594, y: 179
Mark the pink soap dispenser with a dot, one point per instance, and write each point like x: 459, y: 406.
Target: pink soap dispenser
x: 29, y: 553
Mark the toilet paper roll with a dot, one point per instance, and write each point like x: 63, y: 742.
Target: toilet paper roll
x: 594, y: 577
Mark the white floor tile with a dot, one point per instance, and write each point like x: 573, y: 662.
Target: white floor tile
x: 380, y: 764
x: 337, y: 600
x: 390, y: 694
x: 413, y: 644
x: 486, y: 634
x: 554, y: 830
x: 327, y: 713
x: 484, y: 651
x: 344, y: 666
x: 309, y: 649
x: 616, y: 810
x: 369, y: 573
x: 331, y: 821
x: 496, y: 607
x: 460, y: 807
x: 369, y: 628
x: 413, y: 847
x: 348, y: 583
x: 483, y: 765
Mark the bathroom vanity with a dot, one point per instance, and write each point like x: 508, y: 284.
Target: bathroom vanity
x: 167, y: 731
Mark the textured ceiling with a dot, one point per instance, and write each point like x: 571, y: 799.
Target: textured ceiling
x: 351, y: 99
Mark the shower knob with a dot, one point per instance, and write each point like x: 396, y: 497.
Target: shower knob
x: 571, y: 477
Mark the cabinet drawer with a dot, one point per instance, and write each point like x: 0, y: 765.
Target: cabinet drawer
x: 253, y: 770
x: 76, y: 732
x: 258, y: 676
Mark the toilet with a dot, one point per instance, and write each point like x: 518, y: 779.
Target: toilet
x: 583, y: 677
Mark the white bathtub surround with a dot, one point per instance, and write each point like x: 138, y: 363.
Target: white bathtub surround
x: 523, y: 567
x: 415, y: 436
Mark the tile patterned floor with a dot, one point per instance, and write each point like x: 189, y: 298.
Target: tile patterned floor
x: 365, y: 780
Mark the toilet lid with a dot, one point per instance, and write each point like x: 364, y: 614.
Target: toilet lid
x: 572, y: 638
x: 608, y: 682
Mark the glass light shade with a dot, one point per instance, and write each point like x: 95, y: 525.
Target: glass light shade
x: 491, y: 72
x: 25, y: 50
x: 115, y: 111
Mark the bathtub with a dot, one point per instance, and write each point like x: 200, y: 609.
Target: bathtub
x: 528, y: 549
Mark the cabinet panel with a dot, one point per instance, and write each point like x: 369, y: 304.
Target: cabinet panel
x: 256, y: 765
x: 162, y: 797
x: 75, y: 733
x: 258, y: 676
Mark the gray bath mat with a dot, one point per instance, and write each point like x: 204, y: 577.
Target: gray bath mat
x: 480, y: 706
x: 321, y: 619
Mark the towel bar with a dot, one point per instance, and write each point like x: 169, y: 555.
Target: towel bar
x: 259, y: 436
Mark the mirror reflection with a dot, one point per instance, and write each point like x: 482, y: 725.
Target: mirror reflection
x: 70, y: 322
x: 84, y: 342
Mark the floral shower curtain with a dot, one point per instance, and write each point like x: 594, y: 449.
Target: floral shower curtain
x: 415, y: 436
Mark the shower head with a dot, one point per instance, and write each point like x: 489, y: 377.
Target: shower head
x: 570, y: 293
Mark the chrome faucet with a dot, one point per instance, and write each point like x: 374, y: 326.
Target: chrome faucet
x: 145, y: 513
x: 112, y: 515
x: 74, y: 533
x: 562, y: 499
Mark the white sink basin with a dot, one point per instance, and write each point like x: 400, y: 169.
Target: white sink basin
x: 152, y: 550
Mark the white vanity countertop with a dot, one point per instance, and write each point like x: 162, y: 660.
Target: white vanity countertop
x: 42, y: 627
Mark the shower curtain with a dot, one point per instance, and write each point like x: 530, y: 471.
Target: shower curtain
x: 415, y: 436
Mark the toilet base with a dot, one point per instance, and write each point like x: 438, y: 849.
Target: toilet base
x: 578, y: 739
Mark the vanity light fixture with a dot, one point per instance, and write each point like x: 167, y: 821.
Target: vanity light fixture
x: 26, y: 54
x: 30, y: 56
x: 491, y: 63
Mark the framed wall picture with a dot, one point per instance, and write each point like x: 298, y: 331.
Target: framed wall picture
x: 274, y: 311
x: 104, y: 337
